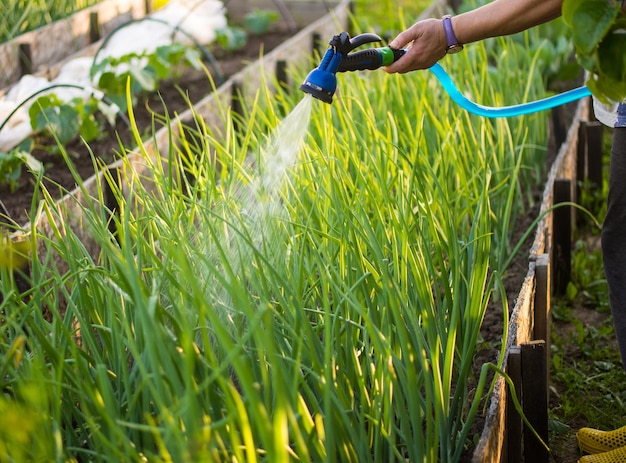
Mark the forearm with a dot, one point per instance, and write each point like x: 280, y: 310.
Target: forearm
x: 504, y: 17
x: 426, y: 40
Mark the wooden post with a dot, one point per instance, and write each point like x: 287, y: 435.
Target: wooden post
x: 542, y: 298
x: 94, y: 27
x: 282, y: 80
x: 558, y: 131
x: 281, y: 74
x: 594, y: 153
x: 542, y: 325
x: 25, y: 56
x: 535, y: 400
x: 591, y: 113
x: 581, y: 159
x: 514, y: 423
x: 236, y: 105
x: 562, y: 236
x: 110, y: 198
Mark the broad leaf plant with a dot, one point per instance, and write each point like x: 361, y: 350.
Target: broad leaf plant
x: 598, y: 30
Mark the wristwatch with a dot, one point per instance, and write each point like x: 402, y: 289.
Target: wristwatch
x: 454, y: 46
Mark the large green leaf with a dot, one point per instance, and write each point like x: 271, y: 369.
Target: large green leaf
x: 52, y: 114
x: 64, y: 121
x: 146, y: 77
x: 606, y: 88
x: 568, y: 8
x: 231, y: 38
x: 89, y: 128
x: 613, y: 46
x: 591, y: 21
x: 598, y: 31
x: 11, y: 164
x: 258, y: 21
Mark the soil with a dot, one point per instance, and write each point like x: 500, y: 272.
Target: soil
x: 172, y: 95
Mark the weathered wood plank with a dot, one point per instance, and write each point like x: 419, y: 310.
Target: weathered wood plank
x: 56, y: 41
x: 492, y: 443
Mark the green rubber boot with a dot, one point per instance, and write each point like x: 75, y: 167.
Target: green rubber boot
x: 596, y: 441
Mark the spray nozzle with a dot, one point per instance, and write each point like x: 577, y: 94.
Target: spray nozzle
x: 321, y: 82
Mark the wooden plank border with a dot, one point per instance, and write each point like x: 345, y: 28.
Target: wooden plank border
x: 492, y: 445
x: 52, y: 43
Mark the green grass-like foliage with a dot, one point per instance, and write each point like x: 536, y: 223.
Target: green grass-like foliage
x: 20, y: 16
x: 256, y: 304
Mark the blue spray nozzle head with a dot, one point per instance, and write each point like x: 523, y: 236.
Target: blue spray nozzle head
x: 320, y: 84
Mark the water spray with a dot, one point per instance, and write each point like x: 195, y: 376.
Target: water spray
x: 321, y: 82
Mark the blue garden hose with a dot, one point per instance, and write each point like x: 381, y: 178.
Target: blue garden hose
x: 505, y: 111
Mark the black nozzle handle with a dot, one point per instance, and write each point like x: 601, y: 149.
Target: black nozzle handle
x: 362, y: 39
x: 371, y: 59
x: 345, y: 44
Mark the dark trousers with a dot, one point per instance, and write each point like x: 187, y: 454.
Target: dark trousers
x: 614, y: 238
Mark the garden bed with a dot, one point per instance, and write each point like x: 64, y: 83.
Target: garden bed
x: 295, y: 50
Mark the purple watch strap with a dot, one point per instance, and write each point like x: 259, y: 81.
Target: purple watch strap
x: 450, y: 35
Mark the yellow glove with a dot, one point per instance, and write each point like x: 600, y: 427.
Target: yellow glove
x: 596, y: 441
x: 617, y: 455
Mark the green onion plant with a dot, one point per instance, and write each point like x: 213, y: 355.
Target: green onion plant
x: 331, y: 314
x: 21, y: 16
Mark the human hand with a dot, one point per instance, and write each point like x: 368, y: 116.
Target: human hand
x: 428, y: 45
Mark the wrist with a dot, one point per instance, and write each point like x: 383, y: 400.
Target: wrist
x: 453, y: 44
